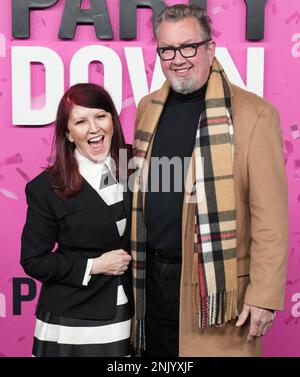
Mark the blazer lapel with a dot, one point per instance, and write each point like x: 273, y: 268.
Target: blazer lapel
x: 127, y: 207
x: 127, y: 197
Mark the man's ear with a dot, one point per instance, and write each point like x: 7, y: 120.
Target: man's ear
x: 69, y: 137
x: 211, y: 49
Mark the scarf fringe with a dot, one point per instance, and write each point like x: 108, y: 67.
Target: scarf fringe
x: 140, y: 341
x: 217, y: 309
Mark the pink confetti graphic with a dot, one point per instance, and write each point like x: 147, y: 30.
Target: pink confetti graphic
x: 15, y: 159
x: 222, y: 8
x: 2, y: 46
x: 289, y: 146
x: 23, y: 174
x: 150, y: 68
x: 149, y: 24
x: 294, y: 16
x: 226, y: 5
x: 297, y: 163
x: 291, y: 319
x: 46, y: 141
x: 292, y: 282
x: 282, y: 80
x: 99, y: 68
x: 38, y: 102
x: 215, y: 33
x: 217, y: 10
x: 8, y: 194
x: 274, y: 9
x: 297, y: 168
x: 295, y: 132
x: 128, y: 102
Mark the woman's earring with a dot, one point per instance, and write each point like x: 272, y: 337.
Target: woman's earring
x: 69, y: 138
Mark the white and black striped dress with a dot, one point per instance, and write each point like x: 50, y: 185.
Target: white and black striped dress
x: 57, y: 336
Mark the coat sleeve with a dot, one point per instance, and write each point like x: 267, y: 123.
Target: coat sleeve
x: 38, y: 241
x: 268, y: 211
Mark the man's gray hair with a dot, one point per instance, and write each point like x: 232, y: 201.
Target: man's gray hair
x: 178, y: 12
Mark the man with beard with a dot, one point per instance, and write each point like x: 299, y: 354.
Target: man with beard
x: 209, y: 258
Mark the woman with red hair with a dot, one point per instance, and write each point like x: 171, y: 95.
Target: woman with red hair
x: 76, y: 236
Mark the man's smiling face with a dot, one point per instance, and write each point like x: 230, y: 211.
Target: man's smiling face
x: 185, y: 75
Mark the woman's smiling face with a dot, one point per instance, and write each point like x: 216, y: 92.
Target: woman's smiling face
x: 91, y: 130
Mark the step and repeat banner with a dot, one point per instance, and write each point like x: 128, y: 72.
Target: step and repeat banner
x: 48, y: 45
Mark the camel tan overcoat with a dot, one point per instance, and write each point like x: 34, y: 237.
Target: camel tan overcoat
x: 261, y: 210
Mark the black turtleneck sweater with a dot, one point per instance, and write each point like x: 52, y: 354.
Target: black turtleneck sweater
x: 175, y: 137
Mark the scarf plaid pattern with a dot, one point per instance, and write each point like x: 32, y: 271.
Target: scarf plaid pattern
x: 215, y: 219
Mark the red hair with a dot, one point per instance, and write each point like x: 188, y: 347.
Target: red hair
x: 64, y: 176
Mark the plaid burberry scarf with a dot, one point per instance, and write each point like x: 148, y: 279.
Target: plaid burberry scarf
x: 215, y: 220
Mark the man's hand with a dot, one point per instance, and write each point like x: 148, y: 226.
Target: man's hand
x: 260, y: 321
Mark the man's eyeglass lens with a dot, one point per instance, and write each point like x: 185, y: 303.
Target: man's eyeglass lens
x: 187, y: 51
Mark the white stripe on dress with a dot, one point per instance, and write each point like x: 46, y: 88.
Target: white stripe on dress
x: 82, y: 335
x: 85, y: 335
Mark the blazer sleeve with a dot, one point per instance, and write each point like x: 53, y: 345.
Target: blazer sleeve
x: 38, y: 241
x: 268, y: 211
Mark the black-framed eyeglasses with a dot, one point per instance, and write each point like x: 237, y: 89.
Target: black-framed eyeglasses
x: 188, y: 50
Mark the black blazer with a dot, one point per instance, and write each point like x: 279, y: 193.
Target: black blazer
x: 82, y: 227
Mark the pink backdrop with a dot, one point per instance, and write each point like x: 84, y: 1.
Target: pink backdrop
x: 24, y: 150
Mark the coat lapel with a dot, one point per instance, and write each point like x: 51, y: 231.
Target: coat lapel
x: 189, y: 185
x: 151, y: 117
x: 145, y: 135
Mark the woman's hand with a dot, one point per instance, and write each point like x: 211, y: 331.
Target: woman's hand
x: 113, y: 262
